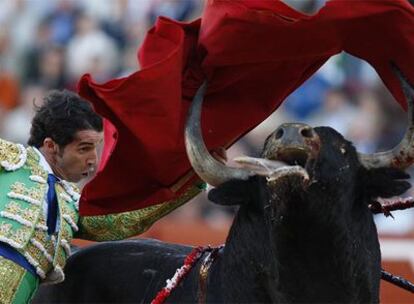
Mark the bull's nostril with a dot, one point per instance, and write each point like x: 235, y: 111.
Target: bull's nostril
x: 306, y: 132
x: 279, y: 133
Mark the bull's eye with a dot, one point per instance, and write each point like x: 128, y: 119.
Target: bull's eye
x: 279, y: 133
x: 343, y: 150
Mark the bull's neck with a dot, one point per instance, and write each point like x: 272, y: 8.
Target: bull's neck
x: 324, y: 253
x: 248, y: 270
x: 265, y: 264
x: 312, y: 259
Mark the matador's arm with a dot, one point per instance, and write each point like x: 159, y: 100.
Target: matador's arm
x: 123, y: 225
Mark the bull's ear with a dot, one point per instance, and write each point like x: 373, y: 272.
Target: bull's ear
x: 385, y: 182
x: 233, y: 192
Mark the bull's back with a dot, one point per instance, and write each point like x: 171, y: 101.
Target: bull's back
x: 133, y: 270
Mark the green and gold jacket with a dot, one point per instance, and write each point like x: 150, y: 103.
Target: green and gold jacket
x: 23, y: 187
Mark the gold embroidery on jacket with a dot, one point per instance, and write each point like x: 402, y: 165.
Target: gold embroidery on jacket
x: 20, y: 235
x: 29, y: 214
x: 36, y: 193
x: 18, y: 187
x: 127, y: 224
x: 13, y: 207
x: 46, y: 241
x: 5, y: 228
x: 39, y: 257
x: 11, y: 274
x: 32, y: 163
x: 12, y: 236
x: 9, y: 152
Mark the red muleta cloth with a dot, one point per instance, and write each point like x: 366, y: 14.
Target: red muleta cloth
x: 254, y: 54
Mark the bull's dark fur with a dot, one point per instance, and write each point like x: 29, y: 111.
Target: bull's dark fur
x: 287, y: 244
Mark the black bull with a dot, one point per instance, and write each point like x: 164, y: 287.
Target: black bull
x: 303, y: 232
x: 292, y: 241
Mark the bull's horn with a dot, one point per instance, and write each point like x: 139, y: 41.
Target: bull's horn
x: 402, y: 156
x: 206, y: 166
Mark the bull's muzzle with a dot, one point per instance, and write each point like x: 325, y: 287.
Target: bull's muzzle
x: 292, y: 143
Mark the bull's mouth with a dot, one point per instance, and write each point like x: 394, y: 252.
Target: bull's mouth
x: 284, y: 165
x: 295, y: 156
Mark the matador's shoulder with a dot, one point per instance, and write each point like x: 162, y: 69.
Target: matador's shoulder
x: 12, y: 155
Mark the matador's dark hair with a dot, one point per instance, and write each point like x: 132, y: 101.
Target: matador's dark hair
x: 60, y: 117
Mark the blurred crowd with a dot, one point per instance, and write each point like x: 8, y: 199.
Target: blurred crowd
x: 49, y: 44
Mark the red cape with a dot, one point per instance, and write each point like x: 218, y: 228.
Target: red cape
x: 254, y: 54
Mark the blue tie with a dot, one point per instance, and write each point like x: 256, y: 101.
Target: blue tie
x: 52, y: 207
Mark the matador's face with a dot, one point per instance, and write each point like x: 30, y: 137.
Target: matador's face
x: 78, y: 159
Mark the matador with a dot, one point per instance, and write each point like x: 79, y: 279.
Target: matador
x: 39, y: 200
